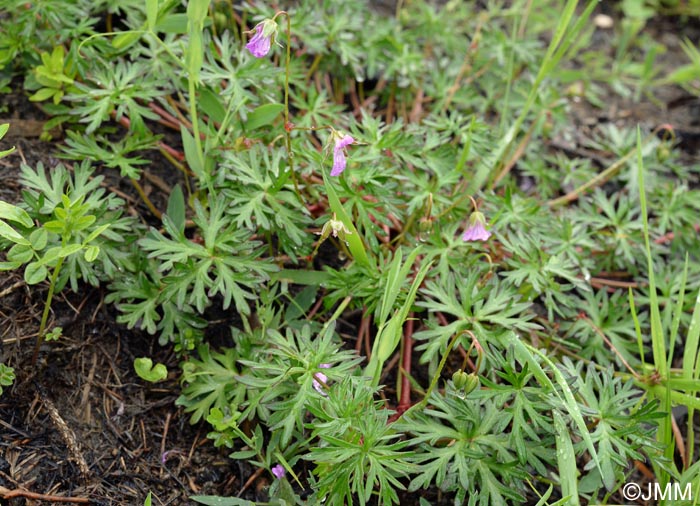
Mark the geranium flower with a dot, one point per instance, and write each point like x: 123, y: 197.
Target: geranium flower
x: 476, y: 231
x: 339, y: 162
x: 259, y: 44
x: 278, y: 471
x: 320, y: 380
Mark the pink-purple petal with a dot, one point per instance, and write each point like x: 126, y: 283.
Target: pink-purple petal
x: 259, y: 45
x: 339, y: 161
x: 476, y: 232
x: 278, y: 471
x: 344, y: 142
x: 320, y: 380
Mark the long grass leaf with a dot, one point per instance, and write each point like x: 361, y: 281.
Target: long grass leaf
x: 527, y: 354
x: 355, y: 244
x: 566, y: 460
x: 691, y: 371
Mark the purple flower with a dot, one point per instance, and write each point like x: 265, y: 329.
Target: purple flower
x: 278, y: 471
x: 320, y: 380
x: 339, y: 161
x: 259, y: 44
x: 476, y: 231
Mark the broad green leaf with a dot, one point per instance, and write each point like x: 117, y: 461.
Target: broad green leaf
x: 96, y: 233
x: 21, y: 253
x: 301, y: 277
x: 191, y: 156
x: 151, y: 13
x: 39, y: 238
x: 60, y: 252
x: 176, y: 208
x: 43, y: 94
x: 83, y: 222
x: 11, y: 234
x: 173, y: 23
x: 691, y: 368
x: 389, y: 336
x: 35, y: 273
x: 301, y: 303
x: 126, y: 39
x: 91, y: 253
x: 16, y: 214
x: 263, y: 115
x: 55, y: 226
x: 211, y: 105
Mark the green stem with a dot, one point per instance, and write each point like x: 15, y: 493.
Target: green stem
x: 287, y: 125
x: 195, y: 126
x: 47, y: 307
x: 436, y: 376
x: 602, y: 177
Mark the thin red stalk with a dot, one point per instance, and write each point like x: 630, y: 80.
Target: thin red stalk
x: 405, y: 371
x: 167, y: 119
x: 363, y: 335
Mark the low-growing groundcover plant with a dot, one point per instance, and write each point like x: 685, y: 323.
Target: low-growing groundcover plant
x: 427, y: 298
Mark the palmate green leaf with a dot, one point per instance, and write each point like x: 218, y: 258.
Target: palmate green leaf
x: 210, y: 382
x: 227, y: 263
x: 465, y: 449
x: 607, y: 315
x: 529, y: 405
x: 623, y: 427
x: 50, y: 189
x: 481, y: 308
x: 115, y: 154
x: 530, y: 355
x: 286, y: 377
x: 137, y: 298
x: 120, y: 88
x: 261, y: 198
x: 365, y: 460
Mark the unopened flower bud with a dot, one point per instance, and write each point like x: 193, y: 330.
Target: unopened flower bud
x: 473, y: 382
x: 467, y: 383
x: 459, y: 378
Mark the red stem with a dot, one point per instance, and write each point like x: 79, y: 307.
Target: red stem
x: 405, y: 370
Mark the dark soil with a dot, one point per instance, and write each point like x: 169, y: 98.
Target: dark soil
x: 82, y: 425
